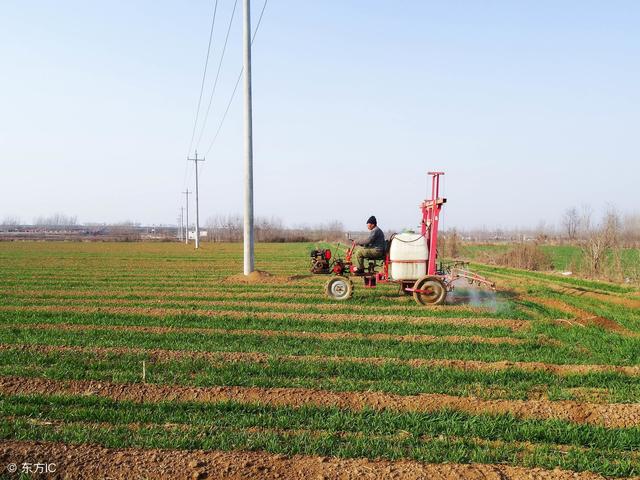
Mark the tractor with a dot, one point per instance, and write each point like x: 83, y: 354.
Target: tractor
x: 411, y: 261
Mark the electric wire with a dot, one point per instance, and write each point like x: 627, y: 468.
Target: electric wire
x: 215, y: 83
x: 204, y: 75
x: 229, y: 103
x: 224, y: 116
x: 235, y: 88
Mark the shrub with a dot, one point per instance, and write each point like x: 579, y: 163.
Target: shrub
x: 528, y: 256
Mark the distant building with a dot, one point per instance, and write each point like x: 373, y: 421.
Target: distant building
x: 191, y: 235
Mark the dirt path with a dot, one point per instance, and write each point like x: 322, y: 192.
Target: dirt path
x: 92, y: 461
x: 608, y: 415
x: 579, y: 292
x: 273, y: 333
x: 630, y: 299
x: 578, y: 315
x: 582, y: 317
x: 163, y: 355
x: 514, y: 325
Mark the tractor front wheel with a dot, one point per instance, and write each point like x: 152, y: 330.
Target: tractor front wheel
x: 429, y: 290
x: 339, y: 288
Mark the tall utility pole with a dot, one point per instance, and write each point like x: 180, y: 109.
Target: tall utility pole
x: 248, y: 144
x: 195, y: 161
x: 186, y: 227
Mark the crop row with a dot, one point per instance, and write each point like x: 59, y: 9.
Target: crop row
x: 247, y: 321
x: 529, y: 351
x: 443, y: 436
x: 275, y: 305
x: 325, y: 374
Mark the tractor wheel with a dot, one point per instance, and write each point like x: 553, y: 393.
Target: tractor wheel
x: 339, y: 288
x: 435, y: 293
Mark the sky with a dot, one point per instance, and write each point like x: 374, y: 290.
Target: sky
x: 530, y: 107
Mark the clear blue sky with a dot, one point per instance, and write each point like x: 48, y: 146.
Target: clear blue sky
x: 529, y: 106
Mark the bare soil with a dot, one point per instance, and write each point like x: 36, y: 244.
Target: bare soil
x: 257, y: 276
x: 161, y: 355
x: 609, y: 415
x: 93, y: 461
x: 618, y: 300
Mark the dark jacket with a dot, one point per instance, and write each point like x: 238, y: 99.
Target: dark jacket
x: 374, y: 240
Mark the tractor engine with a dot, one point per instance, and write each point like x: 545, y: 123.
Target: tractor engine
x: 320, y: 261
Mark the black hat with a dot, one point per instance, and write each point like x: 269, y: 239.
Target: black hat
x: 372, y: 220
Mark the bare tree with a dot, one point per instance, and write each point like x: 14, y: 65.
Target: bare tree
x: 600, y: 239
x: 230, y: 229
x: 571, y: 222
x: 56, y: 220
x: 542, y: 232
x: 584, y: 224
x: 10, y: 221
x: 125, y: 231
x: 450, y: 244
x: 270, y: 230
x: 224, y: 228
x: 631, y: 230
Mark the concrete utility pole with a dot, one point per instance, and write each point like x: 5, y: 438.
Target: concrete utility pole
x: 195, y: 161
x: 181, y: 223
x: 186, y: 227
x: 248, y: 144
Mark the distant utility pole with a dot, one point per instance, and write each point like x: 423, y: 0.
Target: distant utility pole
x: 186, y: 228
x: 248, y: 144
x: 181, y: 223
x: 195, y: 161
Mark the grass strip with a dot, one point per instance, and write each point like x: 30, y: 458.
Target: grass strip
x: 505, y: 307
x: 324, y: 375
x: 285, y: 345
x: 606, y: 451
x: 250, y: 322
x: 573, y: 352
x: 268, y: 302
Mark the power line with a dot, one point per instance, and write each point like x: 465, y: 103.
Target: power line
x: 186, y: 170
x: 215, y: 83
x: 229, y: 103
x: 235, y: 88
x: 224, y: 116
x: 259, y: 21
x: 204, y: 75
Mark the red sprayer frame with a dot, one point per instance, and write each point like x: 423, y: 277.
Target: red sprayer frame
x: 430, y: 219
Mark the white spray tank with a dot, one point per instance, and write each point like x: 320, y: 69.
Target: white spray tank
x: 408, y: 256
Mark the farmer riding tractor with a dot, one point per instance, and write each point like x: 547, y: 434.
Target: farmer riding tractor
x: 408, y: 259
